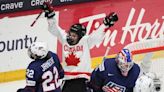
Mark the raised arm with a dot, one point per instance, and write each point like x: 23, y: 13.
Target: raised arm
x: 97, y: 36
x: 56, y: 30
x: 53, y: 26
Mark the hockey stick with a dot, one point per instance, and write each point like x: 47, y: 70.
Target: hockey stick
x: 36, y: 19
x: 101, y: 66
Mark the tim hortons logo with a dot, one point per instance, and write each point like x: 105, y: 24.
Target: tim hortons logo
x: 138, y: 30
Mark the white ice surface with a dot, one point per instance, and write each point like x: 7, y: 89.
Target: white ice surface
x: 12, y: 86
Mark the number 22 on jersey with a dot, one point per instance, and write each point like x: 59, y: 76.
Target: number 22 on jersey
x: 51, y: 81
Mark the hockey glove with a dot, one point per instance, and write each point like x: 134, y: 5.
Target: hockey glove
x: 48, y: 9
x: 110, y: 19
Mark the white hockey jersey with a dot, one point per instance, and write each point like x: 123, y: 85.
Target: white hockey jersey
x: 76, y: 59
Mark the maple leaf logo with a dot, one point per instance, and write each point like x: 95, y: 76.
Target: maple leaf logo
x: 71, y: 60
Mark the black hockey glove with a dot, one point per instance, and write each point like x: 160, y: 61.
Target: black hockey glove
x: 48, y: 9
x: 110, y: 19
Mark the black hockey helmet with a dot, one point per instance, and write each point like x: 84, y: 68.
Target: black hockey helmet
x: 79, y: 29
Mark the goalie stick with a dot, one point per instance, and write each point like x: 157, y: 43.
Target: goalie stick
x: 38, y: 16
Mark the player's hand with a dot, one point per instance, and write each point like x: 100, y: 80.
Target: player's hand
x: 110, y: 19
x: 48, y: 9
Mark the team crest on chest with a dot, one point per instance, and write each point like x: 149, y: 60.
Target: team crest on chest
x: 72, y: 54
x: 113, y: 87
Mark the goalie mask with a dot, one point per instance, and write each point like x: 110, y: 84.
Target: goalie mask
x: 38, y: 50
x: 76, y: 32
x: 124, y: 61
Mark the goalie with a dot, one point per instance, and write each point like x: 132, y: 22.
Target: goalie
x: 119, y: 73
x: 76, y: 45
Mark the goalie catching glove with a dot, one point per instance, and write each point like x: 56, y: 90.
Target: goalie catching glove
x: 110, y: 19
x: 48, y: 9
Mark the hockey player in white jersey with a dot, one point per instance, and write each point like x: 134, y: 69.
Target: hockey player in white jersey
x: 76, y: 47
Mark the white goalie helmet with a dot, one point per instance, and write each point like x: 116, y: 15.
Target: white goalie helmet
x: 38, y: 50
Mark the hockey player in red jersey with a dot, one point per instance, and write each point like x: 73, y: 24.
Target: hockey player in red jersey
x: 76, y: 47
